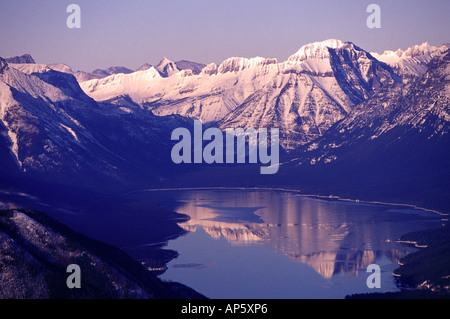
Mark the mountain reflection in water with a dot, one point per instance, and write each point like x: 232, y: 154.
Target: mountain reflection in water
x: 333, y: 237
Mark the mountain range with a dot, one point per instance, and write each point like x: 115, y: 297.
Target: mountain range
x: 352, y: 123
x: 164, y: 67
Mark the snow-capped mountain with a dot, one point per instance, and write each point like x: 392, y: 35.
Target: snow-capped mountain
x: 144, y: 67
x: 82, y: 76
x: 349, y: 119
x: 28, y: 114
x: 166, y: 68
x: 413, y: 61
x: 420, y: 107
x: 303, y: 96
x: 79, y: 75
x: 51, y: 129
x: 393, y: 147
x: 321, y: 85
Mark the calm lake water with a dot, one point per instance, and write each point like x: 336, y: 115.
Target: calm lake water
x: 277, y: 244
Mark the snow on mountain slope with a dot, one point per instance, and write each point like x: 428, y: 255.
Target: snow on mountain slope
x: 221, y: 88
x: 413, y: 61
x: 42, y: 133
x: 340, y: 111
x: 235, y: 79
x: 22, y: 77
x: 79, y: 75
x: 134, y: 84
x: 166, y: 67
x: 314, y: 57
x: 61, y: 67
x: 184, y: 93
x: 144, y: 67
x: 298, y: 104
x: 393, y: 147
x: 65, y: 81
x: 303, y: 96
x: 82, y: 76
x: 423, y: 104
x: 53, y: 130
x: 415, y: 113
x: 314, y: 93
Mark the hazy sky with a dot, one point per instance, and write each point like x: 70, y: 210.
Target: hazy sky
x: 133, y: 32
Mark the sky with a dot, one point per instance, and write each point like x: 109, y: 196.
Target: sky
x: 133, y: 32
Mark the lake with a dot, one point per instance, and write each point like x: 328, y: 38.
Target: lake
x: 244, y: 243
x: 280, y: 244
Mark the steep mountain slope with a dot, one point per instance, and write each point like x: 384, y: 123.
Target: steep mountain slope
x: 352, y: 124
x: 421, y: 106
x: 324, y: 84
x: 412, y: 62
x: 195, y: 67
x: 28, y: 116
x: 36, y: 251
x: 25, y: 58
x: 82, y: 76
x: 167, y: 68
x: 117, y: 70
x: 53, y: 131
x: 392, y: 146
x: 144, y: 67
x: 79, y: 75
x: 303, y: 96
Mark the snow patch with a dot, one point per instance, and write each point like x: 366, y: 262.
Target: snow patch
x: 14, y: 147
x: 125, y: 109
x: 71, y: 132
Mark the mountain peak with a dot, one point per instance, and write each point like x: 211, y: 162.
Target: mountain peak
x: 412, y: 52
x: 164, y: 61
x: 194, y: 66
x: 25, y: 58
x: 416, y: 50
x: 144, y: 67
x: 166, y: 67
x: 316, y: 50
x: 413, y: 61
x: 118, y: 69
x: 61, y: 67
x: 100, y: 72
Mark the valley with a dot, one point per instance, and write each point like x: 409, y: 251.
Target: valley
x: 352, y: 124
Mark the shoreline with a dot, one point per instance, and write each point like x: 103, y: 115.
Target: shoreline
x: 298, y: 192
x: 331, y: 197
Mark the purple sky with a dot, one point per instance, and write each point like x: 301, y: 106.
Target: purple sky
x: 131, y: 33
